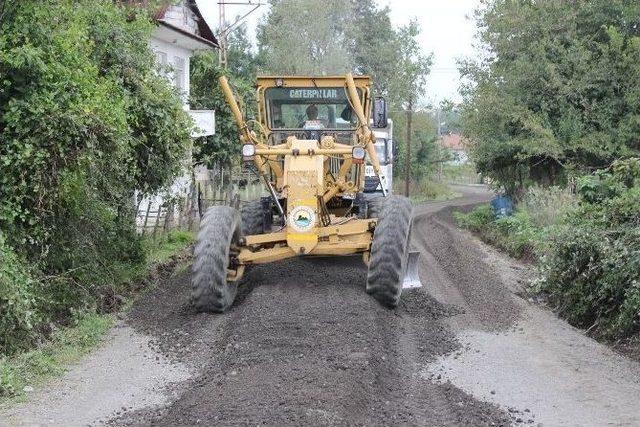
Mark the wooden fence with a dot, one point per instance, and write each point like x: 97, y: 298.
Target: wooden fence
x: 155, y: 218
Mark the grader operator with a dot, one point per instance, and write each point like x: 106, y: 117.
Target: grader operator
x: 309, y: 145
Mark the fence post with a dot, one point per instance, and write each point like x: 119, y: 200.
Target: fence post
x: 167, y: 218
x: 212, y: 193
x: 184, y: 212
x: 205, y: 199
x: 189, y: 211
x: 199, y: 199
x: 193, y: 209
x: 155, y: 225
x: 146, y: 218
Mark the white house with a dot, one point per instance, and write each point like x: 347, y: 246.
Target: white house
x: 181, y: 32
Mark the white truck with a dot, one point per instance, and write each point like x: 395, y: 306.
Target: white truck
x: 384, y: 149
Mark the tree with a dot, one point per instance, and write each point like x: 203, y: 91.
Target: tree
x: 448, y: 116
x: 556, y: 89
x: 222, y: 148
x: 307, y: 37
x: 242, y: 61
x: 85, y: 120
x: 413, y: 67
x: 426, y: 155
x: 372, y: 44
x: 300, y: 37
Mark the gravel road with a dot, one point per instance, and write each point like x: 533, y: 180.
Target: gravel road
x: 305, y: 345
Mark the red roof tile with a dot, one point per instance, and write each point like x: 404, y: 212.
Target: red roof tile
x: 453, y: 141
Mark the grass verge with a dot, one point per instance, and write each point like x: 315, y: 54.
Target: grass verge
x: 21, y: 373
x: 425, y: 190
x: 516, y: 235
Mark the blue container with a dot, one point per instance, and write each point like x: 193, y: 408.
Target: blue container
x: 502, y: 206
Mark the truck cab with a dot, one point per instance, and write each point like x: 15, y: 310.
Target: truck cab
x: 384, y: 150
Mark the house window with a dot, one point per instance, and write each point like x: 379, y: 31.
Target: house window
x: 178, y: 74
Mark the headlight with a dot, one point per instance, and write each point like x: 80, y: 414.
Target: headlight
x: 248, y: 151
x: 358, y: 154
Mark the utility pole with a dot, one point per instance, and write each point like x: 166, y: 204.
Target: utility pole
x: 439, y: 146
x: 224, y: 28
x: 222, y: 38
x: 407, y: 166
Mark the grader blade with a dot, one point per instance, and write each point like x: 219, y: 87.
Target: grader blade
x: 411, y: 278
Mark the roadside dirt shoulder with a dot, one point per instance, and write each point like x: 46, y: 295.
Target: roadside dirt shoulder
x: 537, y: 366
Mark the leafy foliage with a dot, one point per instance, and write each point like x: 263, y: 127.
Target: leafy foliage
x: 18, y: 302
x: 85, y: 119
x: 517, y: 234
x: 592, y: 272
x: 372, y: 44
x: 223, y: 149
x: 334, y: 37
x: 206, y: 94
x: 556, y: 91
x: 426, y: 155
x: 305, y: 37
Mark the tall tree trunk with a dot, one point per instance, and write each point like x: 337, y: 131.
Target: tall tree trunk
x: 407, y: 165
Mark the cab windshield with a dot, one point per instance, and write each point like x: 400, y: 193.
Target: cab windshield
x: 309, y: 108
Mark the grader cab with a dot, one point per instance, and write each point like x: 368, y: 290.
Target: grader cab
x: 309, y: 145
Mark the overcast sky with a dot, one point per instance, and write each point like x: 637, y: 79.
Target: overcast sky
x: 447, y: 31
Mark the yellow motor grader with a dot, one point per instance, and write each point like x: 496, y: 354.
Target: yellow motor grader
x: 309, y: 144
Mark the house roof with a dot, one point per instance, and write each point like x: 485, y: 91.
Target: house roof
x: 453, y: 141
x: 206, y: 35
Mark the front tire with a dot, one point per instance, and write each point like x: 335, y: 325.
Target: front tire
x: 219, y: 230
x: 390, y: 250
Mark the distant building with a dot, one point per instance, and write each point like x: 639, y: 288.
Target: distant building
x: 456, y: 144
x: 182, y: 32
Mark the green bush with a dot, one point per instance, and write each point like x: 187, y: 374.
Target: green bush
x: 85, y: 121
x: 588, y: 246
x: 515, y: 234
x: 477, y: 220
x: 18, y: 301
x: 592, y: 272
x: 518, y: 234
x: 555, y: 90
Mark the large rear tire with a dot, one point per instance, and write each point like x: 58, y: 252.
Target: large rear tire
x: 252, y: 218
x: 219, y: 230
x: 390, y: 250
x: 375, y: 206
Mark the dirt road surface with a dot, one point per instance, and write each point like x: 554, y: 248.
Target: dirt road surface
x: 304, y: 345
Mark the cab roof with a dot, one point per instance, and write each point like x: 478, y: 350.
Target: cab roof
x: 310, y: 81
